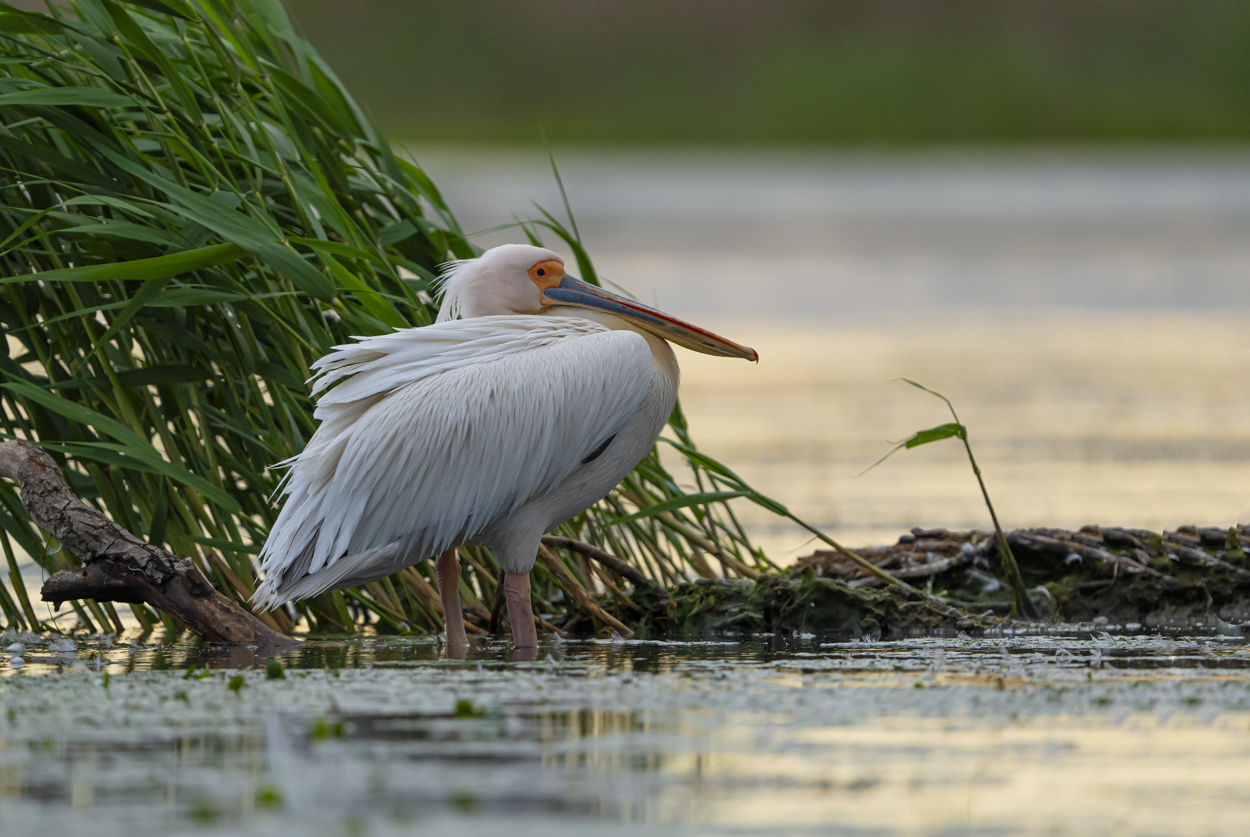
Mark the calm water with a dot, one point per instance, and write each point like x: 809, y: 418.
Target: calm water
x: 1059, y: 734
x: 1088, y: 313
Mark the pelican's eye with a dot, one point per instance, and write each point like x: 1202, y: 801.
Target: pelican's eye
x: 547, y: 273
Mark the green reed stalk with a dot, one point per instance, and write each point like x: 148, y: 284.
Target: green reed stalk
x: 1020, y: 598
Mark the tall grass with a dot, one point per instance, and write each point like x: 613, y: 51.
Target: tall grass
x: 193, y: 210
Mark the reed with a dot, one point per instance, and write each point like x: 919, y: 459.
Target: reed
x: 192, y: 210
x: 957, y: 430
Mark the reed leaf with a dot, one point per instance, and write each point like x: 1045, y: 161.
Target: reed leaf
x: 192, y: 210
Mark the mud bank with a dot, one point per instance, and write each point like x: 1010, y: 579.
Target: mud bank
x: 1188, y: 578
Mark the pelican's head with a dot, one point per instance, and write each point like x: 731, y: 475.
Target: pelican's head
x: 522, y: 279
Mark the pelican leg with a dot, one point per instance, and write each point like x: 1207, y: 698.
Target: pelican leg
x: 516, y: 589
x: 447, y: 570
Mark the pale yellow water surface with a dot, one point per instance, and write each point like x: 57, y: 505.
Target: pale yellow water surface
x: 1085, y: 309
x: 1129, y: 419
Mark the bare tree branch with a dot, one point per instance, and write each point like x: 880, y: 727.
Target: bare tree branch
x: 118, y: 567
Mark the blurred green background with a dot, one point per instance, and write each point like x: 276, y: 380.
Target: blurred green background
x: 792, y: 71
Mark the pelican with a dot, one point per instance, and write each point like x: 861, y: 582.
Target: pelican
x: 529, y: 399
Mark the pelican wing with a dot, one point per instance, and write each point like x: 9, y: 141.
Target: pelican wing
x: 429, y: 434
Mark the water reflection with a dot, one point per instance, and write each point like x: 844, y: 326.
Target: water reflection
x: 1118, y: 647
x: 779, y: 735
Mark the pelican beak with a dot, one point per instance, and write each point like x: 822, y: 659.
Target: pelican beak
x: 579, y: 294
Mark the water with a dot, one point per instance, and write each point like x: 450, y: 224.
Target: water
x: 1029, y: 734
x: 1087, y: 312
x: 1138, y: 420
x: 847, y: 237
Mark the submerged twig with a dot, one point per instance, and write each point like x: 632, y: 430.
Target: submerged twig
x: 622, y: 568
x: 579, y: 593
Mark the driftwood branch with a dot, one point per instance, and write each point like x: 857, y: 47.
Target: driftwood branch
x: 117, y: 566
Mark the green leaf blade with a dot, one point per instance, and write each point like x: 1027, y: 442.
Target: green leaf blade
x: 951, y: 430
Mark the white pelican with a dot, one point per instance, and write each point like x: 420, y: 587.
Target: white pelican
x: 529, y: 399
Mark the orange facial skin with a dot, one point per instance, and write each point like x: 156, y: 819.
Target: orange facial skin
x: 546, y: 274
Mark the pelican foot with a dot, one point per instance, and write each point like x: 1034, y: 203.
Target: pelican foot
x: 516, y: 588
x: 447, y: 571
x: 528, y: 654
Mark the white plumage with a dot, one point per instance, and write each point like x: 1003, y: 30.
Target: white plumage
x: 422, y: 411
x: 491, y: 429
